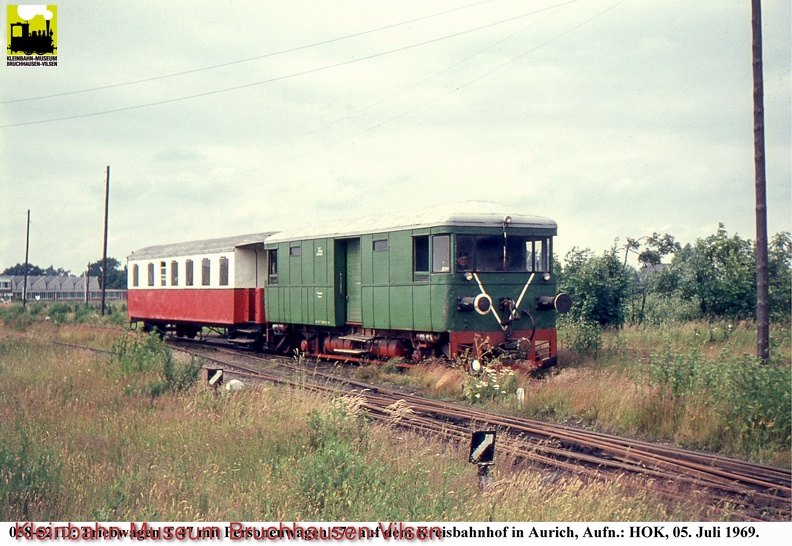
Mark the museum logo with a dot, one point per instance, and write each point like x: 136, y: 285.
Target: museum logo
x: 32, y: 35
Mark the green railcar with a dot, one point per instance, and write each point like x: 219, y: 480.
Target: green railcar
x: 469, y: 279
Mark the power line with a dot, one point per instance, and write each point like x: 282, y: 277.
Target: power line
x: 249, y: 59
x: 442, y: 96
x: 385, y: 99
x: 289, y: 76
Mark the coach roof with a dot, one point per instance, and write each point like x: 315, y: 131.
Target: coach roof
x: 468, y: 214
x: 195, y: 248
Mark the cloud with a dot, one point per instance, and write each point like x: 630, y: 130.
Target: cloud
x: 28, y: 12
x: 637, y: 119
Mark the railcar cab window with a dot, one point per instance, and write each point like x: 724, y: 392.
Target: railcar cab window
x: 441, y: 254
x: 188, y: 272
x: 485, y: 253
x: 223, y: 271
x: 135, y: 275
x: 205, y: 271
x: 151, y: 274
x: 174, y: 273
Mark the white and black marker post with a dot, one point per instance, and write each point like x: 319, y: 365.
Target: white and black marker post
x: 215, y: 377
x: 482, y: 453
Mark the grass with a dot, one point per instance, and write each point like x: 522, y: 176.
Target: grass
x: 82, y: 438
x: 19, y: 318
x: 694, y: 385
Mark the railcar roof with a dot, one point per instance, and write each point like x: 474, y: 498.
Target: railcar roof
x: 468, y: 214
x: 207, y: 246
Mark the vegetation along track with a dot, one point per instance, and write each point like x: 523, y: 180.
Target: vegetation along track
x: 754, y: 491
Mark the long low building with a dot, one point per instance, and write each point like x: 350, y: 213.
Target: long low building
x: 56, y: 288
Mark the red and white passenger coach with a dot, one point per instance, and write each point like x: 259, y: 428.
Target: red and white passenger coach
x: 216, y: 283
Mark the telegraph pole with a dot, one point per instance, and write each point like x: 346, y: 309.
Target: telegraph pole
x: 762, y: 274
x: 104, y: 254
x: 27, y: 248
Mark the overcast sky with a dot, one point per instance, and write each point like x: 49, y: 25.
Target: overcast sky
x: 614, y: 118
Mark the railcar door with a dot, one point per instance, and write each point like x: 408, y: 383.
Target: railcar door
x: 354, y: 282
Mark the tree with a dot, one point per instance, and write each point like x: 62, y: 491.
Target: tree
x: 721, y: 271
x: 656, y: 246
x: 116, y: 277
x: 598, y: 285
x: 779, y: 265
x: 19, y: 269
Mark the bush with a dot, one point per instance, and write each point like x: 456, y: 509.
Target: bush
x: 660, y: 310
x: 493, y: 382
x: 580, y: 335
x: 752, y: 399
x: 137, y: 356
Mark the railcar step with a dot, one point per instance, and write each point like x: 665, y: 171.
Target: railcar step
x: 357, y: 337
x: 350, y: 351
x: 242, y: 340
x: 248, y: 330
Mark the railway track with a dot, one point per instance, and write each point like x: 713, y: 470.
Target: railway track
x: 755, y: 491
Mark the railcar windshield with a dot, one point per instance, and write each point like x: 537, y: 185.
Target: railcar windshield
x: 514, y: 253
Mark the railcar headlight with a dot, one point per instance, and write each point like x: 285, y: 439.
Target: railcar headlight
x: 468, y: 276
x: 546, y: 276
x: 482, y: 304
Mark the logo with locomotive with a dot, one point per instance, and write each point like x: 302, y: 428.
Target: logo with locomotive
x: 32, y: 35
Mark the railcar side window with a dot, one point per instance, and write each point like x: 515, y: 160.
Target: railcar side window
x: 421, y: 258
x: 441, y: 254
x: 163, y: 273
x: 272, y: 258
x: 151, y: 274
x: 188, y: 272
x: 174, y: 273
x: 295, y: 251
x: 223, y: 271
x: 205, y: 271
x: 380, y: 246
x: 135, y: 275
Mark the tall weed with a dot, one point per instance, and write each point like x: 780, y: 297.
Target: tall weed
x: 750, y: 400
x: 145, y: 362
x: 582, y: 336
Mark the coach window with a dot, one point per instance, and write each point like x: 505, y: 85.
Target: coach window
x: 174, y: 273
x: 421, y: 258
x: 441, y: 254
x: 163, y: 273
x: 223, y: 271
x: 295, y: 251
x: 272, y: 259
x: 151, y: 274
x: 380, y: 246
x: 188, y: 272
x: 205, y: 271
x: 135, y: 275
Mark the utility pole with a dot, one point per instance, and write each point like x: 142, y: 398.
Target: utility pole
x: 27, y: 248
x: 762, y: 274
x: 104, y: 254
